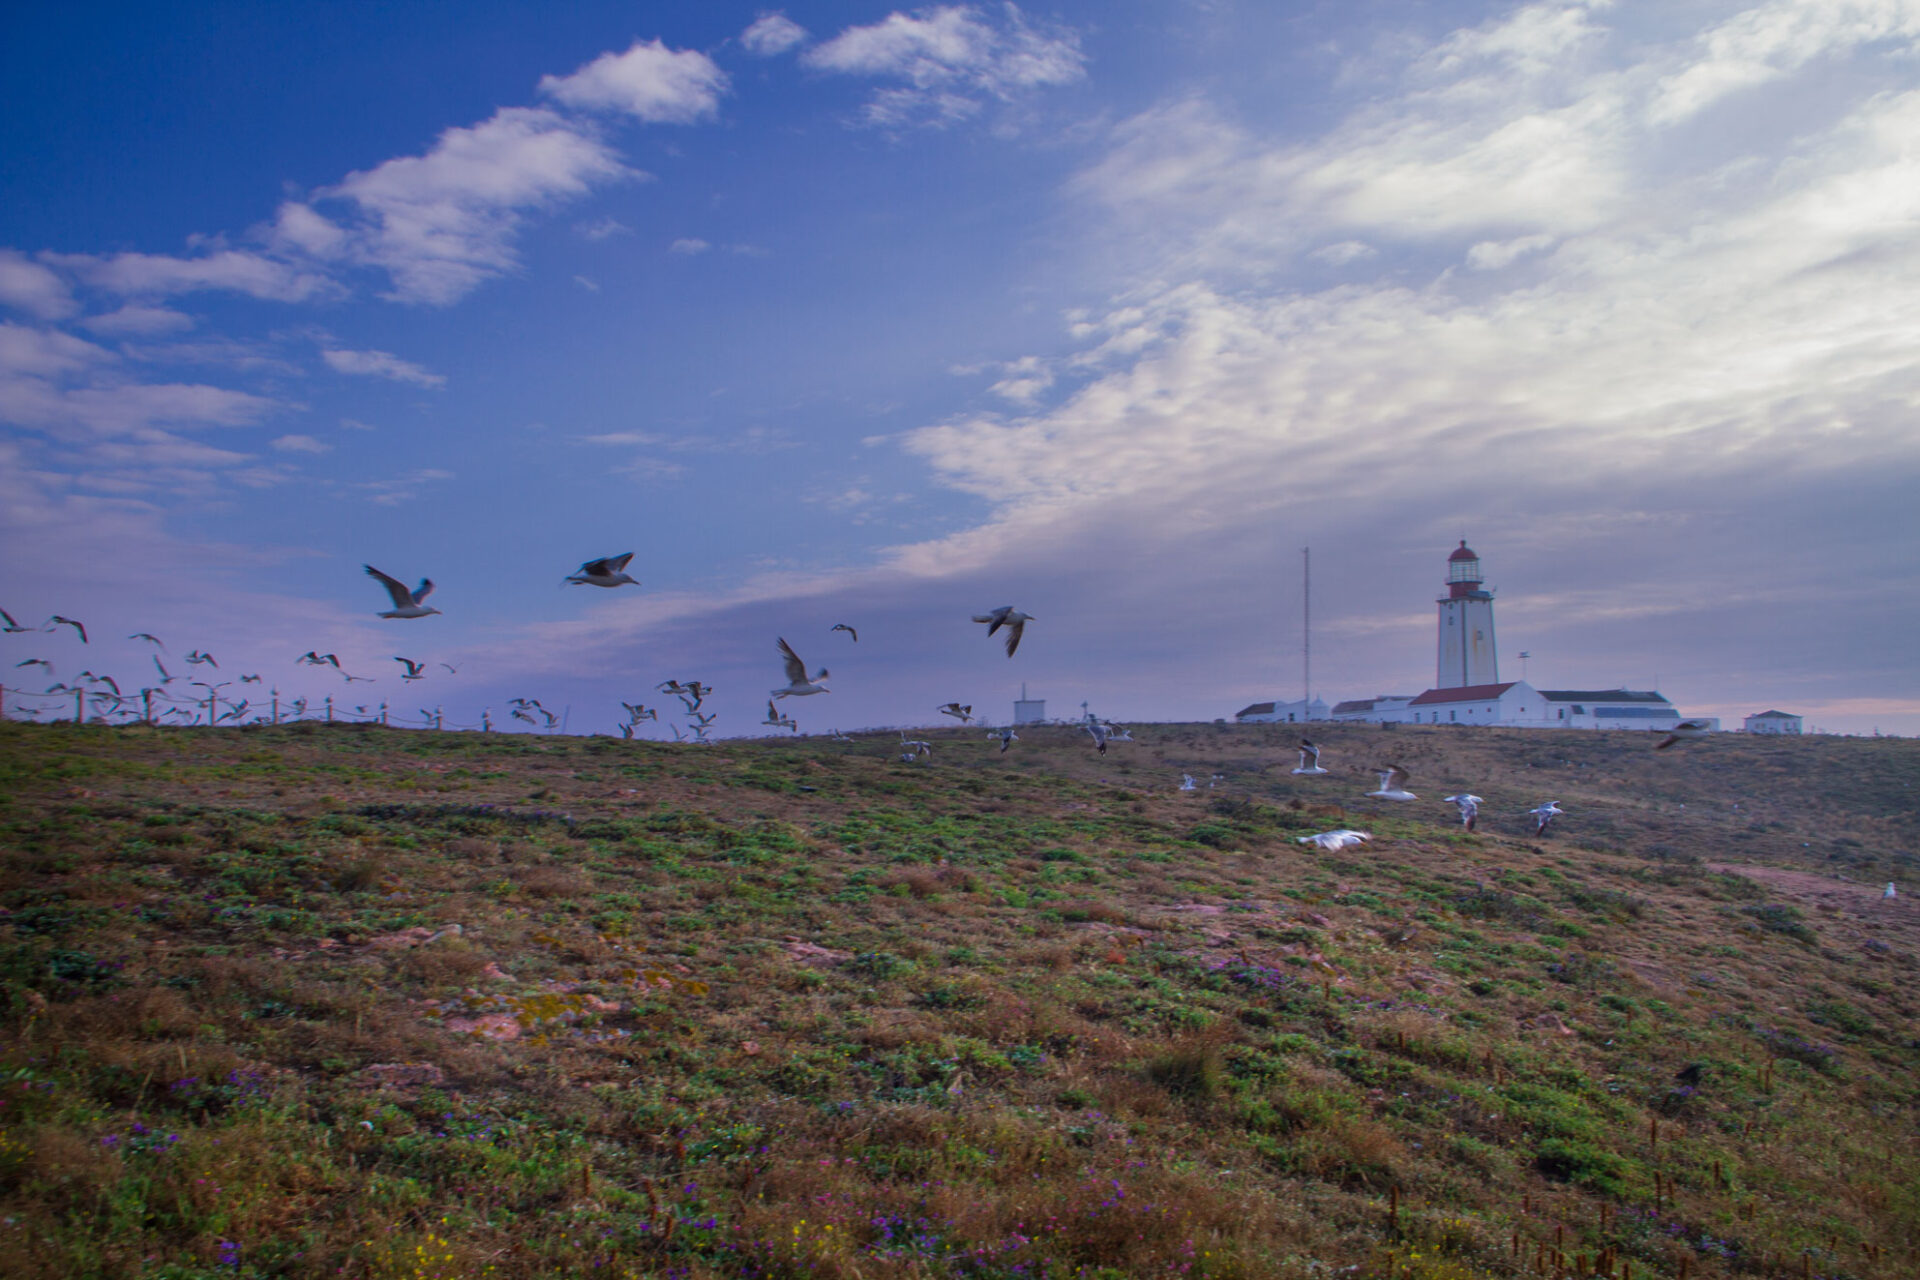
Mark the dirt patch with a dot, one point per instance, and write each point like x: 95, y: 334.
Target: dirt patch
x: 1860, y: 911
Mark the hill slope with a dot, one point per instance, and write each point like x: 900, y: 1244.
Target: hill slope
x: 336, y: 1000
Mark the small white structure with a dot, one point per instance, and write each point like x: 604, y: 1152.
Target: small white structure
x: 1388, y: 706
x: 1515, y: 702
x: 1468, y: 657
x: 1029, y: 710
x: 1283, y: 712
x: 1773, y: 722
x: 1609, y: 709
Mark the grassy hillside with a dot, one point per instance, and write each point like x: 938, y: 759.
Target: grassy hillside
x: 340, y: 1001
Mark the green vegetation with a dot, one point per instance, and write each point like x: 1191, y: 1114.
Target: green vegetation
x: 337, y: 1001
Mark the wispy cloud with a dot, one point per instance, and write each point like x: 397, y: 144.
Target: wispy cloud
x: 688, y: 246
x: 380, y: 364
x: 26, y: 285
x: 649, y: 81
x: 301, y: 444
x: 772, y: 33
x: 953, y: 58
x: 137, y: 321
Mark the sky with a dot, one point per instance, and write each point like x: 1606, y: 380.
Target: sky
x: 841, y: 312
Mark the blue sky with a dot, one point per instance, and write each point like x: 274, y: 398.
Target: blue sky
x: 843, y: 312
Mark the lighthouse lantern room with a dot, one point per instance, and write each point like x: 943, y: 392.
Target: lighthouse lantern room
x: 1467, y: 653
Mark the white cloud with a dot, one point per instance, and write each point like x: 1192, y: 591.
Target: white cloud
x: 135, y: 320
x: 602, y: 228
x: 953, y: 58
x: 40, y: 367
x: 1771, y: 41
x: 689, y: 246
x: 772, y: 33
x: 1025, y: 379
x: 588, y: 283
x: 230, y: 270
x: 649, y: 81
x: 442, y: 223
x: 380, y: 364
x: 301, y: 444
x: 1339, y: 255
x: 1491, y: 255
x: 26, y: 285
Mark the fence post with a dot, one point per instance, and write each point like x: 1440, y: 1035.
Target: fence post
x: 329, y: 708
x: 79, y: 707
x: 276, y: 707
x: 383, y: 715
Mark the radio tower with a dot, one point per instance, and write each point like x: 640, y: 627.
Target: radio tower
x: 1306, y: 625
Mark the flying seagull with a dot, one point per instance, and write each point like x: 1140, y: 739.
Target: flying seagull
x: 1469, y: 808
x: 670, y: 686
x: 57, y: 621
x: 406, y: 604
x: 1685, y: 731
x: 451, y: 669
x: 150, y: 639
x: 610, y: 572
x: 1392, y: 784
x: 1889, y: 892
x: 1009, y: 617
x: 36, y: 662
x: 1007, y: 738
x: 1338, y: 839
x: 165, y: 678
x: 249, y: 679
x: 312, y: 659
x: 199, y: 659
x: 1100, y: 735
x: 779, y: 721
x: 91, y: 678
x: 12, y: 627
x: 913, y: 749
x: 841, y: 626
x: 1543, y: 816
x: 963, y: 714
x: 798, y: 685
x: 638, y: 711
x: 1309, y: 760
x: 413, y: 668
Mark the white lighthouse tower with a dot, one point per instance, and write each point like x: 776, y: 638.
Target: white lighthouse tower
x: 1467, y: 654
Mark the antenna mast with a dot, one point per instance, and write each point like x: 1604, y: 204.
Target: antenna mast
x: 1306, y: 625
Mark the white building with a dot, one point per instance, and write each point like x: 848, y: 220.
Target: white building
x: 1773, y: 722
x: 1374, y: 710
x: 1468, y: 657
x: 1513, y: 703
x: 1609, y: 709
x: 1283, y: 712
x: 1029, y: 710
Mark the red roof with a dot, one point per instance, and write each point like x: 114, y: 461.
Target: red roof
x: 1464, y: 553
x: 1465, y: 693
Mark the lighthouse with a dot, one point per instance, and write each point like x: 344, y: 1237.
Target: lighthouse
x: 1466, y: 625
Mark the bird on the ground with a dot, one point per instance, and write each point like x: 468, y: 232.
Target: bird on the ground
x: 1685, y: 731
x: 312, y: 659
x: 13, y: 628
x: 57, y: 621
x: 963, y: 714
x: 914, y: 749
x: 838, y: 736
x: 200, y: 659
x: 1309, y: 760
x: 150, y: 639
x: 841, y: 626
x: 414, y: 669
x: 798, y: 683
x: 1469, y: 805
x: 1007, y: 738
x: 1337, y: 839
x: 1100, y: 735
x: 406, y: 604
x: 1009, y: 617
x: 1392, y: 784
x: 1186, y: 782
x: 610, y: 572
x: 1890, y: 891
x: 1544, y: 815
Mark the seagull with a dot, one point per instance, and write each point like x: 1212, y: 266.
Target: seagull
x: 1338, y: 839
x: 353, y: 679
x: 1469, y: 808
x: 1099, y: 732
x: 1392, y: 784
x: 638, y: 711
x: 1186, y: 782
x: 12, y: 627
x: 406, y: 604
x: 1309, y: 760
x: 249, y: 679
x: 798, y: 685
x: 1009, y: 617
x: 451, y: 669
x: 1889, y: 892
x: 1007, y: 738
x: 299, y: 708
x: 841, y: 626
x: 779, y: 721
x: 914, y: 749
x: 1119, y: 733
x: 670, y: 686
x: 36, y: 662
x: 704, y: 720
x: 963, y: 714
x: 1544, y: 816
x: 610, y: 572
x: 312, y: 659
x: 91, y: 678
x: 57, y: 621
x: 164, y: 677
x: 199, y: 659
x: 1685, y: 731
x: 677, y: 735
x: 150, y: 639
x: 518, y: 714
x: 413, y: 669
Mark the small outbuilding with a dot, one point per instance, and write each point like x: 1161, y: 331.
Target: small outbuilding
x: 1773, y: 722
